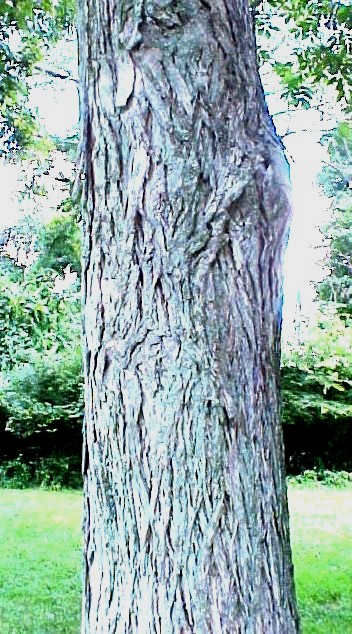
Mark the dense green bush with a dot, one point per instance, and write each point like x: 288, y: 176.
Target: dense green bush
x: 317, y: 395
x: 43, y: 394
x: 54, y: 472
x: 326, y: 477
x: 41, y: 410
x: 317, y: 374
x: 41, y: 386
x: 15, y: 474
x: 35, y: 319
x: 59, y: 242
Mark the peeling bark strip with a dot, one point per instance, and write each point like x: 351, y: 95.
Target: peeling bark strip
x: 187, y: 207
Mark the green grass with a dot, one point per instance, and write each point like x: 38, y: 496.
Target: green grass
x: 321, y: 533
x: 40, y: 560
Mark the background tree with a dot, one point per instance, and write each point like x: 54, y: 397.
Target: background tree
x: 26, y: 29
x: 336, y: 179
x: 317, y: 47
x: 186, y: 214
x: 316, y: 382
x: 40, y: 378
x: 41, y: 397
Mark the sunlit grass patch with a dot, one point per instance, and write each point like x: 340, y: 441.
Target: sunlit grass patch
x: 40, y: 562
x: 321, y: 533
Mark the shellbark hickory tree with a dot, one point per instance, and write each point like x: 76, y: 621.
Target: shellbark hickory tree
x: 186, y: 210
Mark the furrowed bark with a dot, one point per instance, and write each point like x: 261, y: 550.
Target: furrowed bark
x: 186, y: 215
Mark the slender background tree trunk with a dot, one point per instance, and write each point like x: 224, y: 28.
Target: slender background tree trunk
x: 186, y: 521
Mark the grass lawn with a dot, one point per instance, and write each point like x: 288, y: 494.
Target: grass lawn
x: 321, y: 534
x: 40, y: 560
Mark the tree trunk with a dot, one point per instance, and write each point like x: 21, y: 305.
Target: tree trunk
x: 185, y: 221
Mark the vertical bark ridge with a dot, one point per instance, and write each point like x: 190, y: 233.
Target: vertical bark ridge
x: 187, y: 208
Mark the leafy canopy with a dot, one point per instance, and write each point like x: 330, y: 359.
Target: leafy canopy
x: 27, y: 27
x: 316, y: 49
x: 40, y: 327
x: 317, y: 374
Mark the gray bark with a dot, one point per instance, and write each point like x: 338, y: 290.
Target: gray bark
x: 186, y: 215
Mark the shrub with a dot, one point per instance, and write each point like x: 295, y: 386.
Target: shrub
x: 35, y: 319
x: 15, y: 474
x: 316, y: 378
x: 55, y: 472
x: 326, y: 477
x: 44, y: 394
x: 60, y: 242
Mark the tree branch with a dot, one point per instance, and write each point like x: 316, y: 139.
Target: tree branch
x: 56, y: 74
